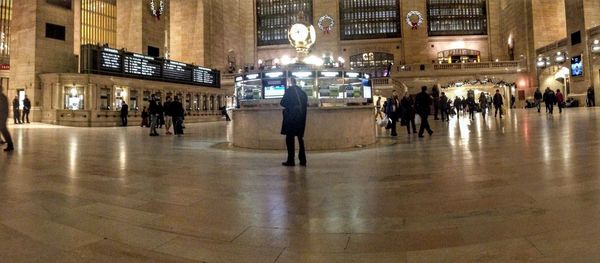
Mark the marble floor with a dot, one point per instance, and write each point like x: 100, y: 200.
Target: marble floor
x: 522, y: 189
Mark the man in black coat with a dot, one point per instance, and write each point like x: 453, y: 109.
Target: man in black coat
x: 295, y: 104
x: 498, y: 102
x: 435, y: 93
x: 178, y: 115
x: 124, y: 113
x: 153, y: 111
x: 16, y: 111
x: 422, y: 105
x: 393, y: 111
x: 3, y: 119
x: 549, y: 100
x: 591, y: 97
x: 26, y: 109
x: 537, y: 96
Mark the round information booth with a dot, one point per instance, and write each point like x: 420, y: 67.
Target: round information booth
x: 339, y: 116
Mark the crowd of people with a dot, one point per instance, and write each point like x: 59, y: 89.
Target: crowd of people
x: 405, y: 109
x: 157, y: 115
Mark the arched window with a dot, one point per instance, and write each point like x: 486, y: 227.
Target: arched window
x: 457, y: 17
x: 376, y: 63
x: 369, y: 19
x: 274, y: 17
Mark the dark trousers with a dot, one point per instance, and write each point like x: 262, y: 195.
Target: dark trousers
x: 17, y: 116
x: 178, y: 125
x: 560, y: 107
x: 444, y: 112
x: 393, y: 122
x: 591, y: 102
x: 483, y: 112
x: 409, y: 122
x: 124, y: 120
x: 550, y: 107
x: 291, y: 149
x: 5, y: 133
x: 436, y: 104
x: 472, y: 114
x: 498, y: 109
x: 424, y: 124
x: 25, y: 116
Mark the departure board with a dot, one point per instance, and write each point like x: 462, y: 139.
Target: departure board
x: 110, y: 59
x: 205, y: 76
x: 104, y: 60
x: 136, y: 64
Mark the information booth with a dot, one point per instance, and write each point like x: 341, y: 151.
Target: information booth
x: 340, y: 114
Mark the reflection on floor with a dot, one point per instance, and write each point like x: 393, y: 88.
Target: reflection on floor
x: 526, y: 188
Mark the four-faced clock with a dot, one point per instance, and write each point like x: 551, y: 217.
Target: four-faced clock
x: 299, y: 32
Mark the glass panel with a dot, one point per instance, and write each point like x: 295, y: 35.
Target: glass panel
x: 369, y: 19
x: 275, y: 17
x: 452, y: 17
x: 74, y: 98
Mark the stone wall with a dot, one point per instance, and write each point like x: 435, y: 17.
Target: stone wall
x: 549, y: 21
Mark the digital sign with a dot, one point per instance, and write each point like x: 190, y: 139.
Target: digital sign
x: 109, y: 61
x: 576, y: 66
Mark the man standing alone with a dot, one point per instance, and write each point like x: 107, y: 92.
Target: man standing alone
x: 16, y: 111
x: 3, y: 119
x: 26, y: 109
x: 153, y: 111
x: 498, y: 104
x: 124, y: 113
x: 295, y: 104
x: 422, y: 105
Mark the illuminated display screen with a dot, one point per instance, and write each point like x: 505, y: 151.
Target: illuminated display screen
x: 104, y: 60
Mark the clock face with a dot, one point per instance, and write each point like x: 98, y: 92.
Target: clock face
x: 299, y: 32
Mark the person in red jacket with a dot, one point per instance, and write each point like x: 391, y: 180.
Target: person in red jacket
x: 560, y: 100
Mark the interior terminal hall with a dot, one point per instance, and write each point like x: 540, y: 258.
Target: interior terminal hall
x: 299, y: 131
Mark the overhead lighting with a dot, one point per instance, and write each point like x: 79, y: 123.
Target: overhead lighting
x: 274, y: 74
x: 285, y: 60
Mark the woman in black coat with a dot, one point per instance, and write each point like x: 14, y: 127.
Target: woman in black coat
x: 295, y: 104
x: 408, y: 108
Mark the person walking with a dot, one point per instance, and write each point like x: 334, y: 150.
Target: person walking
x: 393, y: 111
x: 153, y: 112
x: 498, y: 102
x: 168, y: 115
x: 16, y: 111
x: 224, y: 113
x: 444, y: 106
x: 178, y: 113
x: 161, y: 114
x: 483, y: 104
x: 549, y: 100
x: 591, y: 97
x: 471, y: 106
x: 435, y: 93
x: 26, y: 109
x: 378, y: 112
x: 124, y: 113
x: 537, y: 96
x: 422, y: 105
x: 457, y: 107
x: 295, y: 104
x: 144, y: 118
x: 560, y: 100
x: 408, y: 113
x: 3, y: 120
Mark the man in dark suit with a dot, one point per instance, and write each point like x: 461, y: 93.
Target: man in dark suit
x: 393, y: 111
x: 16, y: 111
x: 295, y: 104
x: 3, y: 119
x: 124, y: 113
x: 26, y: 109
x: 422, y: 105
x: 498, y: 102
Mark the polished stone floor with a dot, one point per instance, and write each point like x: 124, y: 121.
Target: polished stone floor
x: 522, y: 189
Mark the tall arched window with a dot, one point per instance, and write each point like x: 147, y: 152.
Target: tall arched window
x: 457, y: 17
x: 369, y: 19
x: 274, y: 17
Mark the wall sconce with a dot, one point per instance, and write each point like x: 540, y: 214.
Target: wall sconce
x: 560, y: 57
x: 596, y: 46
x: 541, y: 62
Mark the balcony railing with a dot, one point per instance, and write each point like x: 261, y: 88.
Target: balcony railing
x: 481, y: 67
x: 553, y: 46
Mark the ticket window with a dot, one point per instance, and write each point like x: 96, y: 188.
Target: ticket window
x: 188, y: 102
x: 74, y: 99
x: 146, y: 95
x: 212, y: 103
x: 133, y: 100
x: 196, y: 103
x: 204, y: 103
x: 120, y: 95
x: 104, y: 99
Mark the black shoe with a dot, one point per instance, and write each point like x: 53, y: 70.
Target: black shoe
x: 421, y: 136
x: 2, y: 142
x: 394, y: 134
x: 430, y: 133
x: 9, y: 149
x: 303, y: 164
x: 154, y: 134
x: 288, y: 164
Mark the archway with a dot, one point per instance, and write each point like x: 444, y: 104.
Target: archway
x: 459, y: 56
x: 555, y: 77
